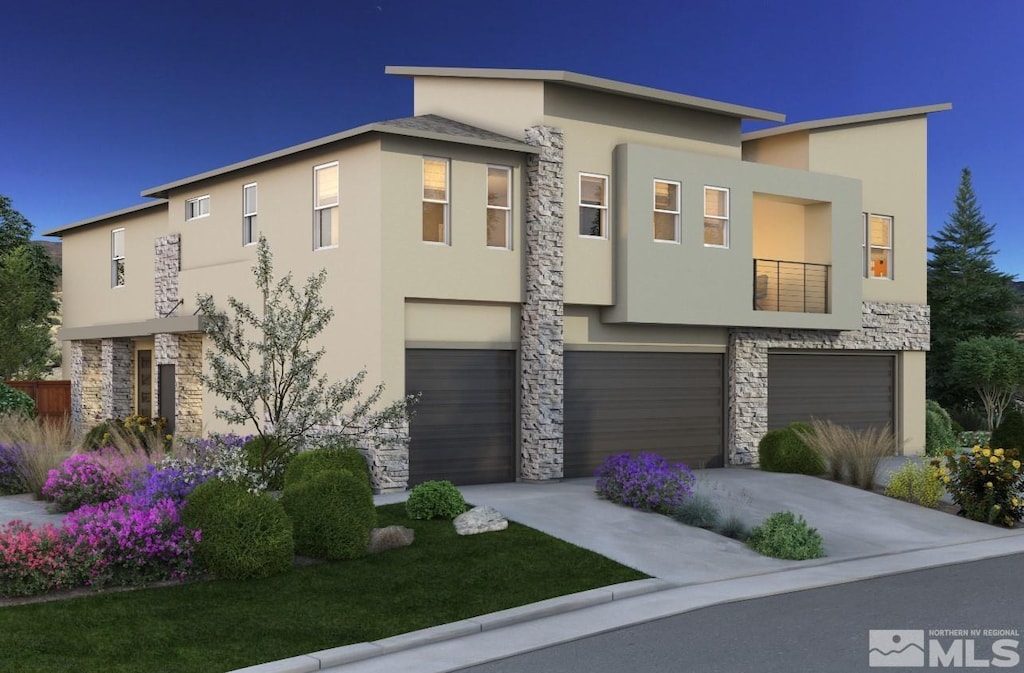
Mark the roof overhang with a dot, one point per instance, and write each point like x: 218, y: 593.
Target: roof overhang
x: 146, y: 328
x: 59, y: 231
x: 835, y: 122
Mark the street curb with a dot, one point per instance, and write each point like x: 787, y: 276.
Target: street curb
x: 347, y: 654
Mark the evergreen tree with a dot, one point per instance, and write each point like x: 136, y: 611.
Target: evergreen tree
x: 968, y: 296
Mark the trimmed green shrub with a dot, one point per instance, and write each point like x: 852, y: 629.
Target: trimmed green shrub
x: 787, y: 536
x: 14, y: 401
x: 331, y: 457
x: 784, y: 450
x: 332, y: 513
x: 915, y: 483
x: 938, y: 429
x: 243, y: 535
x: 1009, y: 434
x: 698, y: 511
x: 269, y: 457
x: 435, y: 500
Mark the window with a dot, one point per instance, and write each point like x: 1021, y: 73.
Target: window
x: 144, y: 383
x: 716, y: 217
x: 197, y: 207
x: 249, y: 214
x: 593, y: 205
x: 666, y: 211
x: 325, y: 206
x: 117, y: 258
x: 435, y: 200
x: 499, y: 207
x: 877, y: 246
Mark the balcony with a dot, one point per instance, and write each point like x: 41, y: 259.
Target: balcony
x: 793, y: 287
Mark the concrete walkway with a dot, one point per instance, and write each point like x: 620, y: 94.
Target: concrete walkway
x: 26, y: 508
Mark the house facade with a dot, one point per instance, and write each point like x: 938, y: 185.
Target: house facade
x: 564, y: 267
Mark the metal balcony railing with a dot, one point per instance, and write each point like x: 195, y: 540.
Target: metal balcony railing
x: 796, y: 287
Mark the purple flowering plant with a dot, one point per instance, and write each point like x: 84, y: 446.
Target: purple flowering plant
x: 11, y: 479
x: 155, y: 483
x: 87, y: 479
x: 647, y: 482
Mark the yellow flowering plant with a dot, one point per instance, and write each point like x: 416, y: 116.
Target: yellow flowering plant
x: 987, y: 484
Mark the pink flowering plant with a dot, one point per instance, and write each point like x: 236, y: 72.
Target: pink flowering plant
x: 87, y: 479
x: 37, y: 560
x: 647, y: 482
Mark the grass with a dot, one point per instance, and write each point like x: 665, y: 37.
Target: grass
x: 44, y: 446
x: 852, y: 455
x: 222, y: 625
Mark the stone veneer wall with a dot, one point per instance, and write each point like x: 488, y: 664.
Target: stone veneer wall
x: 387, y: 455
x: 166, y: 267
x: 116, y: 377
x: 542, y: 335
x: 188, y: 389
x: 884, y: 327
x: 86, y: 383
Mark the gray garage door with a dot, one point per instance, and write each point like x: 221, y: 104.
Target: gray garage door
x: 667, y: 403
x: 463, y: 429
x: 856, y: 390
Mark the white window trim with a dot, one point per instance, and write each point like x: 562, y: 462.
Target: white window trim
x: 867, y: 247
x: 197, y: 200
x: 725, y: 219
x: 255, y: 213
x: 447, y: 235
x: 114, y: 258
x: 317, y: 207
x: 654, y: 194
x: 605, y: 207
x: 507, y: 209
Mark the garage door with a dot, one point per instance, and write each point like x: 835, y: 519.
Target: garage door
x: 856, y: 390
x: 667, y: 403
x: 463, y: 429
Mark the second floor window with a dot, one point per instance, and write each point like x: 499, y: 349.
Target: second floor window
x: 666, y: 211
x: 197, y: 207
x: 877, y: 246
x: 249, y: 214
x: 716, y: 217
x: 499, y: 206
x: 117, y: 258
x: 593, y: 205
x: 435, y: 200
x: 325, y: 205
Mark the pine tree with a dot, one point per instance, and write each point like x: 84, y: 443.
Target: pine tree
x: 968, y: 295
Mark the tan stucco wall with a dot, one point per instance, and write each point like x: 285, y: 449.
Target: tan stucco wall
x: 912, y: 401
x: 789, y: 150
x: 502, y: 106
x: 584, y: 329
x: 437, y: 324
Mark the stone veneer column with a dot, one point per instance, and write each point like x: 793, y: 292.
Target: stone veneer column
x: 884, y: 327
x: 188, y: 388
x: 166, y: 266
x: 116, y: 377
x: 86, y: 383
x: 542, y: 336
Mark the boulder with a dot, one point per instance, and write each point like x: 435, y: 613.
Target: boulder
x: 390, y: 537
x: 480, y: 520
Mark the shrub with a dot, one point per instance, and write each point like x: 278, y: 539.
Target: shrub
x: 332, y: 513
x: 16, y: 402
x: 851, y: 455
x: 785, y: 450
x: 37, y: 560
x: 153, y: 484
x: 914, y: 482
x: 133, y: 433
x: 332, y: 457
x: 986, y: 483
x: 1009, y: 434
x: 43, y: 446
x: 86, y: 479
x: 221, y: 456
x: 733, y: 527
x: 435, y: 500
x: 698, y: 511
x: 973, y: 438
x: 647, y: 482
x: 243, y: 535
x: 786, y: 536
x: 11, y: 479
x: 268, y: 457
x: 938, y: 429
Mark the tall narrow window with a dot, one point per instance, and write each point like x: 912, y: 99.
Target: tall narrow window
x: 197, y: 207
x: 249, y: 214
x: 666, y: 211
x: 144, y: 383
x: 878, y: 246
x: 499, y: 207
x: 325, y: 205
x: 593, y: 205
x: 435, y: 200
x: 716, y: 217
x: 117, y: 258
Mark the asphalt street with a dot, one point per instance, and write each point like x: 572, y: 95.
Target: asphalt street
x: 967, y: 616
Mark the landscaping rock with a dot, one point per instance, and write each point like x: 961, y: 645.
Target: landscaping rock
x: 480, y: 520
x: 391, y: 537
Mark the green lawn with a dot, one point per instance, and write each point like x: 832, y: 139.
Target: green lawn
x: 222, y: 625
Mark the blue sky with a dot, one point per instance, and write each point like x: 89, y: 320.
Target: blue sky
x: 103, y: 99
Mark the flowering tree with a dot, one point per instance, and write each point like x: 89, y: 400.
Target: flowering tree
x: 263, y: 365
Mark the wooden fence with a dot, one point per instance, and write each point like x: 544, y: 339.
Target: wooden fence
x: 52, y: 398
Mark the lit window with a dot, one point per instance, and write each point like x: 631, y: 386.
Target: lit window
x: 435, y: 200
x: 593, y: 205
x: 325, y: 205
x: 249, y: 214
x: 666, y: 211
x: 877, y: 246
x: 197, y: 207
x: 716, y: 217
x: 117, y: 258
x: 499, y: 207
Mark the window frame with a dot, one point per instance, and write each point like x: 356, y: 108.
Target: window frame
x: 318, y: 208
x: 446, y: 232
x: 722, y: 218
x: 198, y: 201
x: 117, y: 264
x: 603, y: 209
x: 249, y: 227
x: 506, y: 209
x: 675, y: 213
x: 867, y: 247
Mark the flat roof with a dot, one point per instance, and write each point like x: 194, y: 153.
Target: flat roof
x: 594, y: 83
x: 57, y: 231
x: 849, y: 120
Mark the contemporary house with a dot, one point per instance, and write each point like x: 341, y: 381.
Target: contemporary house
x: 566, y: 267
